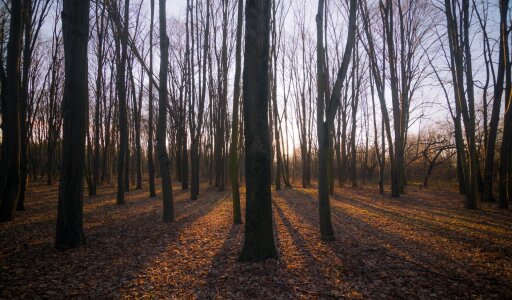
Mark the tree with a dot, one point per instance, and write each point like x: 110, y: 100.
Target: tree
x: 54, y: 117
x: 381, y: 156
x: 379, y: 83
x: 329, y: 103
x: 123, y: 114
x: 505, y: 168
x: 259, y: 238
x: 163, y: 158
x: 75, y: 27
x: 11, y: 185
x: 499, y: 78
x: 151, y: 166
x: 197, y: 126
x: 34, y: 14
x: 233, y: 149
x: 460, y: 53
x: 100, y: 29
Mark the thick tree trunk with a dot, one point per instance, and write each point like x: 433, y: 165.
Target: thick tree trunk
x: 10, y: 188
x: 259, y: 238
x: 27, y: 58
x: 163, y: 158
x: 75, y: 27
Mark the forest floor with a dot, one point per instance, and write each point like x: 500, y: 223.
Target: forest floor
x: 422, y: 245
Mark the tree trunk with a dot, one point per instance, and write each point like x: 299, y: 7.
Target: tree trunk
x: 10, y: 188
x: 123, y: 122
x: 354, y: 103
x: 99, y: 95
x: 27, y: 58
x: 151, y: 166
x: 75, y: 27
x: 233, y: 151
x: 273, y: 80
x: 163, y: 158
x: 329, y: 103
x: 487, y: 194
x: 259, y: 238
x: 505, y: 168
x: 137, y: 124
x: 196, y: 136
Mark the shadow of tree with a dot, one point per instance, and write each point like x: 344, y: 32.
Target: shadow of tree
x: 117, y: 250
x: 385, y: 254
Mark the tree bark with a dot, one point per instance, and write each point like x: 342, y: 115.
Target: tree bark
x: 233, y: 151
x: 196, y: 135
x: 10, y: 187
x: 275, y: 112
x: 151, y: 164
x: 99, y: 94
x: 259, y: 238
x: 123, y: 114
x: 75, y: 27
x: 329, y: 103
x: 488, y: 194
x: 163, y: 158
x: 505, y: 168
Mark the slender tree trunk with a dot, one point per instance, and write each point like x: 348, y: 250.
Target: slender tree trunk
x: 99, y: 95
x: 383, y: 158
x: 196, y: 136
x: 329, y: 103
x: 380, y: 155
x: 75, y: 27
x: 184, y: 159
x: 354, y: 104
x: 273, y: 80
x: 52, y: 100
x: 464, y: 105
x: 233, y: 151
x: 344, y: 157
x: 487, y: 194
x: 136, y: 123
x: 505, y: 168
x: 151, y: 166
x: 123, y: 118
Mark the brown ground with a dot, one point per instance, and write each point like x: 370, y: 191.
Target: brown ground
x: 423, y: 245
